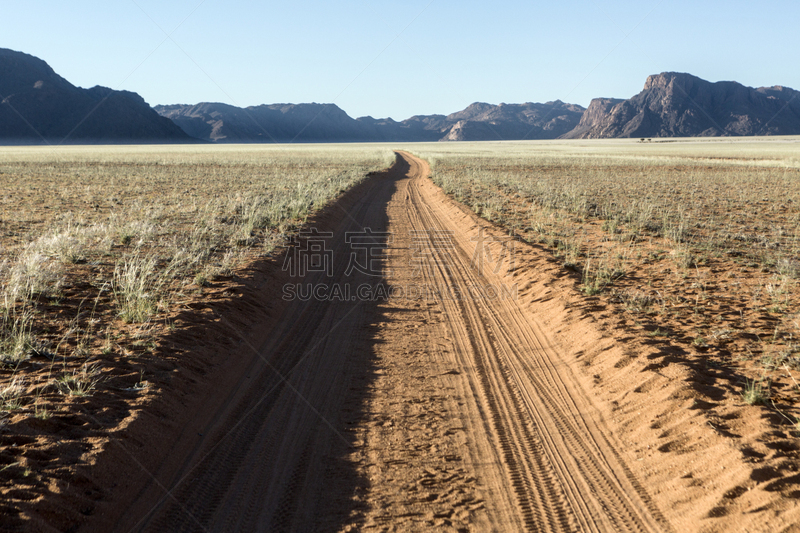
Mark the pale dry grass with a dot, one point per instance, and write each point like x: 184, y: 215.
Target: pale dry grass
x: 118, y: 234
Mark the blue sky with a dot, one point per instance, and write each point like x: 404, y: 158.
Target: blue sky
x: 398, y: 59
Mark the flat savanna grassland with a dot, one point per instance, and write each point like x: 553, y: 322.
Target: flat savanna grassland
x: 691, y: 244
x: 99, y: 245
x: 694, y: 244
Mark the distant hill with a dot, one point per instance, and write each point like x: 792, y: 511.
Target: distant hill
x: 328, y: 123
x: 36, y: 104
x: 484, y: 122
x: 674, y: 104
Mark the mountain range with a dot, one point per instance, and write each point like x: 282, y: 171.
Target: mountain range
x: 39, y: 106
x: 327, y: 122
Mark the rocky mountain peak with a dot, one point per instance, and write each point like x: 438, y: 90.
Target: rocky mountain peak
x: 674, y: 104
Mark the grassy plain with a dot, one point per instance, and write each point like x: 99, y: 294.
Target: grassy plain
x: 692, y: 244
x: 99, y: 244
x: 695, y: 243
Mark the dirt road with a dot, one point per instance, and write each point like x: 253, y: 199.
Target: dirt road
x: 401, y: 386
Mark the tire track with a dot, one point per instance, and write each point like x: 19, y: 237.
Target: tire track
x: 563, y: 468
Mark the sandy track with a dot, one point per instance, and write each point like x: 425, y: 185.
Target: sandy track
x: 398, y: 413
x: 557, y: 457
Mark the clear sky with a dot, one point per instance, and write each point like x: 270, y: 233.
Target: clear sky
x: 404, y: 58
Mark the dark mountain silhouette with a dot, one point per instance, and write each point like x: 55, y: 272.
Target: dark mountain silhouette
x: 681, y: 105
x: 267, y: 123
x: 37, y: 105
x: 328, y: 123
